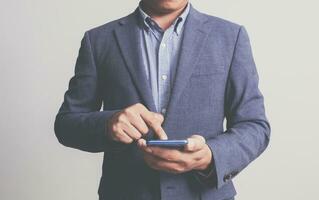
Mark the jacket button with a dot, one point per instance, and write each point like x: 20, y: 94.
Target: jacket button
x: 227, y: 177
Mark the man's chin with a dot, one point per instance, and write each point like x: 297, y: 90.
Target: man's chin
x: 167, y: 8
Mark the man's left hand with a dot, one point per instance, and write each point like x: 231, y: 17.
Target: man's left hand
x: 196, y: 155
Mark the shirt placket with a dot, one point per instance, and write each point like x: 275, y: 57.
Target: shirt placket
x: 164, y: 70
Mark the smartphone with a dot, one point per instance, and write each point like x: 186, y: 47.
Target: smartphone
x: 167, y: 143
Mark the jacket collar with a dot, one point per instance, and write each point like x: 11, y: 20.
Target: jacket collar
x: 146, y: 21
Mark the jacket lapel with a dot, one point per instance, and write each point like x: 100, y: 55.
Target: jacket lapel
x: 128, y: 38
x: 195, y: 34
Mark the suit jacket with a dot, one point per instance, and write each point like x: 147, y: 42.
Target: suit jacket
x: 216, y: 79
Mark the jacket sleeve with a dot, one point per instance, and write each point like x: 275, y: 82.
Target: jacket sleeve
x: 248, y: 130
x: 79, y: 122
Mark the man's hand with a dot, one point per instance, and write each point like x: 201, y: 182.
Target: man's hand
x: 133, y: 122
x: 195, y: 156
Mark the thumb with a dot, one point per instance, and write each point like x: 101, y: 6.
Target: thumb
x: 195, y: 143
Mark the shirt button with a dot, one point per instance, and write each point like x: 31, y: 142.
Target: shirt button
x: 163, y: 111
x: 163, y: 45
x: 164, y: 77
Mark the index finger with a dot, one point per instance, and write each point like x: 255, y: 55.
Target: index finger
x: 154, y: 120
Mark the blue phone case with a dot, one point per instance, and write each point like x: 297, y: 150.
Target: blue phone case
x: 167, y: 143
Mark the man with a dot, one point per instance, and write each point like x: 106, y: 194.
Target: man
x: 166, y: 71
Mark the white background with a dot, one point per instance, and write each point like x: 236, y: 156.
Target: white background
x: 39, y: 44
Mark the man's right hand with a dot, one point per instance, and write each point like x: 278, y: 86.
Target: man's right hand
x: 133, y: 122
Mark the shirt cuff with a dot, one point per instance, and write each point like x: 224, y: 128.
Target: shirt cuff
x: 207, y: 173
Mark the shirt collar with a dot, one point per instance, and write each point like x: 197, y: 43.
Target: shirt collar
x: 178, y: 23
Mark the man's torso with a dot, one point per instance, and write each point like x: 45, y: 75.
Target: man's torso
x: 198, y: 89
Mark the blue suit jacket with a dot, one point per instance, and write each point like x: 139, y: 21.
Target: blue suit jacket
x: 216, y: 78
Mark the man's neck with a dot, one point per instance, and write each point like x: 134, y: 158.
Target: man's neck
x: 164, y: 20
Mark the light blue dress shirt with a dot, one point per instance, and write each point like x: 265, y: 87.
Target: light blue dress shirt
x: 160, y: 52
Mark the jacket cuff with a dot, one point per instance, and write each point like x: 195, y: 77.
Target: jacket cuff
x: 222, y: 151
x: 209, y: 176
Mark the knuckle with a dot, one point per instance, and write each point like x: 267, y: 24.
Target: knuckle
x: 170, y: 157
x: 133, y: 137
x: 121, y: 117
x: 179, y: 169
x: 138, y: 105
x: 155, y: 116
x: 174, y: 156
x: 184, y: 163
x: 137, y: 136
x: 117, y: 135
x: 157, y: 128
x: 144, y: 130
x: 160, y: 117
x: 127, y: 111
x: 114, y: 128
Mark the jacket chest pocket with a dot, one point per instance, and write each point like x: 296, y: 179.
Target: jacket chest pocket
x: 203, y: 69
x: 203, y: 88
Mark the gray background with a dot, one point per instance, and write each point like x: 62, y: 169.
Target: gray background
x: 39, y: 44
